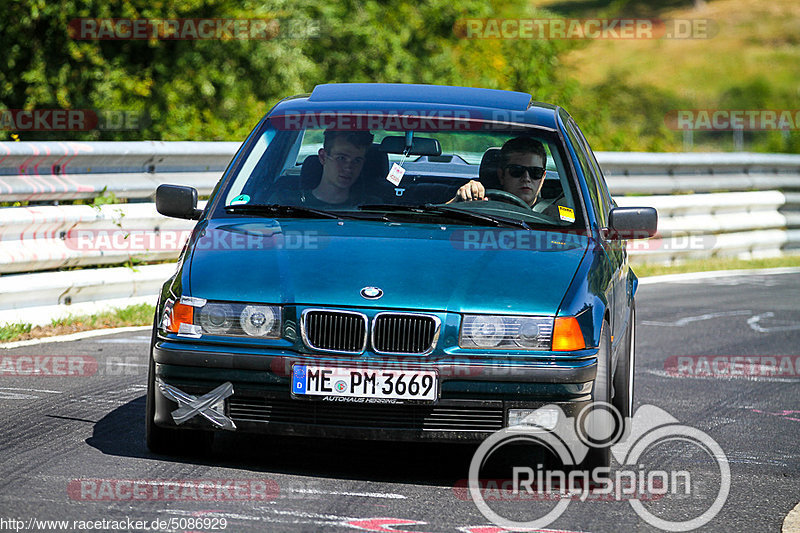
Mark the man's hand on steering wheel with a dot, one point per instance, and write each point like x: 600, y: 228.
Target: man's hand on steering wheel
x: 472, y: 190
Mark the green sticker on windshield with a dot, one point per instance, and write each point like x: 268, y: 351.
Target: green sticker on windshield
x: 241, y: 199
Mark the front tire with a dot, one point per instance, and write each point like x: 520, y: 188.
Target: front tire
x: 624, y: 375
x: 600, y: 426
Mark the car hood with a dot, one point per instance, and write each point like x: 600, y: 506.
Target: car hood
x: 417, y: 266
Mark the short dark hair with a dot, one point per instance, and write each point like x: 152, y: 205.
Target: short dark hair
x: 522, y: 145
x: 356, y: 138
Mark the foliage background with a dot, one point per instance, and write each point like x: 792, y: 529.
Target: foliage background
x: 217, y: 89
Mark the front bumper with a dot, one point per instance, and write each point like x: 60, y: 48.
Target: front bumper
x: 475, y: 394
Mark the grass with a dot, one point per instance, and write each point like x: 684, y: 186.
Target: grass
x: 716, y: 263
x: 753, y: 40
x: 134, y: 315
x: 10, y: 332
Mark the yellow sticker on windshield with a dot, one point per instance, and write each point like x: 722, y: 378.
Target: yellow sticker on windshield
x: 565, y: 213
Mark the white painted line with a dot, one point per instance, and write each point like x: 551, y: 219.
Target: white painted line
x: 32, y: 390
x: 4, y: 395
x: 693, y: 276
x: 686, y: 320
x: 791, y: 524
x: 75, y: 336
x: 665, y: 374
x: 387, y: 495
x: 754, y: 323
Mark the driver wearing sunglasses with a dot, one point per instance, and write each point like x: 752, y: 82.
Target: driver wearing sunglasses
x: 521, y: 172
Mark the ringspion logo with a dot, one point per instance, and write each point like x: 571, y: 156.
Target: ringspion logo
x: 698, y: 487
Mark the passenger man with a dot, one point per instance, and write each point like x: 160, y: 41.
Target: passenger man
x: 342, y: 157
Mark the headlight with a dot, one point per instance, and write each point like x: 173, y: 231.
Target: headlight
x: 506, y: 332
x: 194, y: 317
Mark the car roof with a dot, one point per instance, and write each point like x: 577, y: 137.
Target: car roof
x: 395, y: 97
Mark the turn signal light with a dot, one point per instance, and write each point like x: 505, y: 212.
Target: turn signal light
x: 567, y: 335
x: 181, y: 314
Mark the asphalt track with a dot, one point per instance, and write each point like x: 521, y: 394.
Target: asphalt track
x: 72, y: 446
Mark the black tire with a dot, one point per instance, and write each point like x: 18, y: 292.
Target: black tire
x: 600, y: 455
x: 624, y: 375
x: 168, y: 441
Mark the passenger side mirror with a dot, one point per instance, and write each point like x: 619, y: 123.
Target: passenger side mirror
x: 177, y: 201
x: 631, y: 223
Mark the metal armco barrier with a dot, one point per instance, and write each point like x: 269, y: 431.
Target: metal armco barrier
x: 43, y: 171
x: 745, y: 205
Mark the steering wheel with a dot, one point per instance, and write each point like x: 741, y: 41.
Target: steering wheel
x: 503, y: 196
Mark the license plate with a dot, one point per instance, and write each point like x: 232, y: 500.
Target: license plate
x: 337, y: 382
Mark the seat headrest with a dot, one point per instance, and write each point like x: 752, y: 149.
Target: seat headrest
x: 487, y: 173
x: 376, y: 163
x: 310, y: 172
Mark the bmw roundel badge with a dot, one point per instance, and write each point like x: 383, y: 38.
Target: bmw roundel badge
x: 371, y: 293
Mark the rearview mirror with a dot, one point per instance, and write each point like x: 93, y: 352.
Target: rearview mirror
x: 177, y: 201
x: 632, y: 223
x: 396, y: 144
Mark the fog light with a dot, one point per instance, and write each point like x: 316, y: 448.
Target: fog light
x: 533, y: 418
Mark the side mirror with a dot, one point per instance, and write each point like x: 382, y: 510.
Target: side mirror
x: 177, y: 201
x: 632, y: 223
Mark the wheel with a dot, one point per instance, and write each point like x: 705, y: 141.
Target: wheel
x: 165, y: 440
x: 599, y: 424
x: 624, y: 375
x: 503, y: 196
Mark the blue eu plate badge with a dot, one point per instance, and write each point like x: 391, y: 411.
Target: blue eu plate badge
x: 299, y: 379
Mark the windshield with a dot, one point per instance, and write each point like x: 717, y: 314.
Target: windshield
x: 496, y: 175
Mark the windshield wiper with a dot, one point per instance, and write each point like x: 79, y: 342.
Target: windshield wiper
x: 280, y: 210
x: 452, y: 212
x: 472, y: 215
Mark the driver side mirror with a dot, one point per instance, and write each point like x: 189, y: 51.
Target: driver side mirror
x: 631, y: 223
x: 177, y: 201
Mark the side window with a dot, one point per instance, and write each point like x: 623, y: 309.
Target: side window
x: 601, y: 182
x: 591, y: 180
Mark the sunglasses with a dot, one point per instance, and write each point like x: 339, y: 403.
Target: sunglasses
x: 517, y: 171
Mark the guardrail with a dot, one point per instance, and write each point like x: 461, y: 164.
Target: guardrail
x: 709, y: 204
x: 46, y: 171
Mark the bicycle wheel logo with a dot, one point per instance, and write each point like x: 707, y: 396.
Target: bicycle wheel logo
x: 647, y: 471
